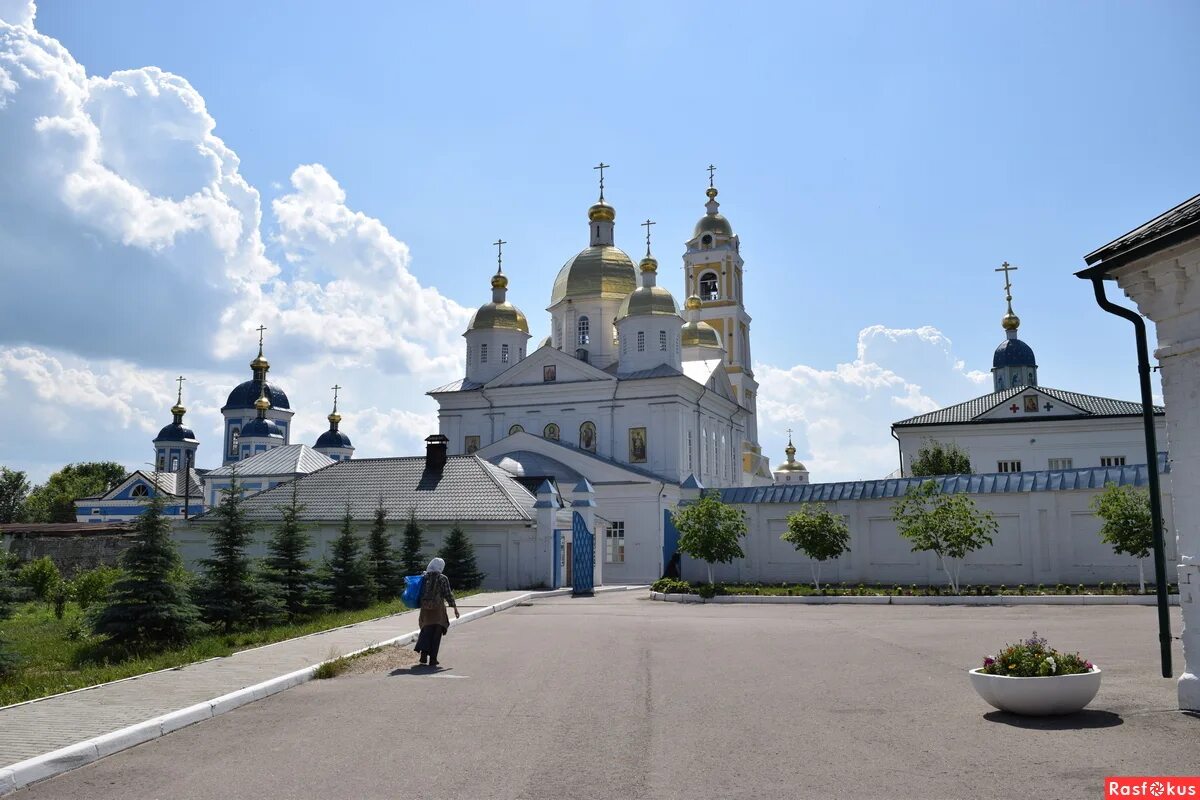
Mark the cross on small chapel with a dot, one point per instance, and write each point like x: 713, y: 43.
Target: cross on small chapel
x: 602, y: 166
x: 499, y: 245
x: 335, y: 388
x: 647, y: 225
x: 260, y: 330
x: 179, y: 397
x: 1014, y: 408
x: 1006, y: 268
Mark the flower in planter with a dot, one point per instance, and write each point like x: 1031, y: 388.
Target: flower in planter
x: 1034, y: 658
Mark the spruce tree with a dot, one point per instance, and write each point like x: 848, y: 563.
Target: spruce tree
x: 347, y: 581
x: 459, y: 555
x: 148, y: 607
x: 287, y: 570
x: 381, y: 558
x: 227, y: 593
x: 8, y: 659
x: 412, y: 561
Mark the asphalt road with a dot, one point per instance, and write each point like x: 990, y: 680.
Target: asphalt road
x: 621, y: 697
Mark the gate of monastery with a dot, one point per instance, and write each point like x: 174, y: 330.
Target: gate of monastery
x: 583, y: 557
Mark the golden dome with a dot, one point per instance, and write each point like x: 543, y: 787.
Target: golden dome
x: 602, y: 211
x: 713, y: 223
x: 178, y: 409
x: 791, y: 466
x: 693, y: 303
x: 600, y: 271
x: 711, y: 193
x: 653, y: 300
x: 262, y: 403
x: 700, y: 334
x: 648, y: 264
x: 335, y: 418
x: 499, y: 281
x: 499, y: 316
x: 1010, y: 321
x: 260, y: 362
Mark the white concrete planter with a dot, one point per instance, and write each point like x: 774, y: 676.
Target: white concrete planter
x: 1037, y: 697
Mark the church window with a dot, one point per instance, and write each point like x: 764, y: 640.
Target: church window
x: 469, y: 354
x: 706, y: 240
x: 582, y: 330
x: 1061, y: 463
x: 1112, y: 461
x: 1009, y: 466
x: 614, y: 327
x: 140, y: 491
x: 162, y: 460
x: 515, y: 429
x: 689, y: 452
x: 641, y: 341
x: 503, y: 354
x: 582, y: 355
x: 614, y: 540
x: 1031, y: 381
x: 174, y: 463
x: 999, y: 382
x: 708, y: 286
x: 234, y: 434
x: 551, y: 432
x: 483, y: 353
x: 662, y: 340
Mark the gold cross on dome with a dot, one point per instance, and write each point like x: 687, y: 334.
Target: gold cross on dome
x: 179, y: 397
x: 499, y: 245
x: 1006, y: 268
x: 647, y: 225
x: 335, y: 388
x: 602, y: 166
x: 711, y: 170
x: 260, y: 330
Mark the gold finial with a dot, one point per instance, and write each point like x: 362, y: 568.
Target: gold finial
x: 693, y: 303
x: 602, y: 166
x: 1010, y: 321
x: 334, y: 417
x: 260, y: 362
x: 262, y: 403
x: 178, y: 408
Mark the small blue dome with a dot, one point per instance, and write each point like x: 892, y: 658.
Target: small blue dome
x: 175, y: 432
x: 333, y: 439
x: 244, y: 395
x: 1013, y: 353
x: 261, y: 429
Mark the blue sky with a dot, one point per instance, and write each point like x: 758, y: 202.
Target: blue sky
x: 877, y: 160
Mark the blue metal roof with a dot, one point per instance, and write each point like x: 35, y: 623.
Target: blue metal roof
x: 1013, y: 353
x: 990, y: 483
x: 175, y: 432
x: 261, y: 428
x: 333, y: 439
x: 244, y: 395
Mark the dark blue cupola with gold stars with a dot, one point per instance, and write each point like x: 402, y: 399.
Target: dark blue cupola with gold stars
x: 1013, y: 363
x: 175, y: 446
x: 333, y: 442
x: 241, y: 409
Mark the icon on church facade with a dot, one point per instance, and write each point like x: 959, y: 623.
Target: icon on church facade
x: 551, y: 432
x: 515, y: 429
x: 637, y: 445
x: 470, y: 444
x: 1031, y: 402
x: 549, y: 373
x: 587, y: 437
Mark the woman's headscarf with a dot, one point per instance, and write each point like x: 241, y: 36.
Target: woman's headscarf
x: 437, y: 565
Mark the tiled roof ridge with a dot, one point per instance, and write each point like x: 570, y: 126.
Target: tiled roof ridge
x: 504, y: 486
x: 992, y: 400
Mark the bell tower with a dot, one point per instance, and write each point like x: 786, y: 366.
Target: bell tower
x: 712, y: 271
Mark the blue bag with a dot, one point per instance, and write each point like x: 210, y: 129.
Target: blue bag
x: 413, y: 586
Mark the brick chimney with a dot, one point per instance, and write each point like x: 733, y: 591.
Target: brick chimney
x: 435, y: 453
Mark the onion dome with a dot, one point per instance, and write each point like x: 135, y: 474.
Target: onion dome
x: 648, y: 299
x: 499, y: 314
x: 176, y: 431
x: 245, y: 394
x: 333, y: 438
x: 261, y: 428
x: 602, y: 212
x: 1013, y: 353
x: 713, y: 221
x: 791, y: 465
x: 599, y: 271
x: 697, y: 333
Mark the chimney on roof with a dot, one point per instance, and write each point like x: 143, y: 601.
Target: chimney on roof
x: 435, y: 452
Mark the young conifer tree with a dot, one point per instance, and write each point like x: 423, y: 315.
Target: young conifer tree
x: 412, y: 561
x: 381, y: 558
x: 459, y: 555
x: 348, y: 581
x: 227, y: 593
x: 287, y: 570
x: 8, y: 659
x: 148, y: 608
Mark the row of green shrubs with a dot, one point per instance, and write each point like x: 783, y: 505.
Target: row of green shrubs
x: 676, y: 586
x: 42, y: 580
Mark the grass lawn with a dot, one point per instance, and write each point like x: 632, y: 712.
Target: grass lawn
x: 838, y: 589
x: 50, y: 662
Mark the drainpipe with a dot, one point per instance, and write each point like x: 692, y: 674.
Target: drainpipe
x: 1156, y: 517
x: 899, y: 452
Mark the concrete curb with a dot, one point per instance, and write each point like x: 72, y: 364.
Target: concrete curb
x: 23, y: 773
x: 906, y: 600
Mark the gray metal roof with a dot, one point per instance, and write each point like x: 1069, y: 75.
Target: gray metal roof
x: 971, y: 410
x: 1150, y: 237
x: 468, y: 489
x: 659, y: 371
x: 289, y: 460
x: 990, y: 483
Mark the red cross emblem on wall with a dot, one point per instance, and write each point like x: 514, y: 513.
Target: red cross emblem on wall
x: 1014, y: 408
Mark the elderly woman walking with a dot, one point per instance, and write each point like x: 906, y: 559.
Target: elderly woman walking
x: 433, y: 621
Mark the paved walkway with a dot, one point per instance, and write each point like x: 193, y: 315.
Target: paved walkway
x: 41, y: 726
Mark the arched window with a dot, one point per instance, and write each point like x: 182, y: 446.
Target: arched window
x: 582, y: 355
x: 708, y: 286
x: 174, y: 463
x: 706, y: 240
x: 1031, y: 381
x: 999, y: 381
x: 162, y: 461
x: 641, y: 341
x: 503, y: 354
x: 662, y: 340
x: 234, y: 434
x: 483, y: 353
x: 582, y: 328
x: 551, y: 432
x: 587, y: 437
x: 515, y: 429
x: 140, y: 491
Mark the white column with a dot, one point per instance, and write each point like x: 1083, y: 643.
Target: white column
x: 545, y: 508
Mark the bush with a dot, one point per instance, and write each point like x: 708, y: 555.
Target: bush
x: 93, y: 585
x: 41, y: 576
x: 1033, y: 659
x: 671, y: 586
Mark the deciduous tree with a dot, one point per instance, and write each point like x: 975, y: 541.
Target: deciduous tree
x: 54, y: 500
x: 949, y: 525
x: 710, y: 530
x: 14, y: 489
x: 940, y: 458
x: 1128, y: 526
x: 818, y: 533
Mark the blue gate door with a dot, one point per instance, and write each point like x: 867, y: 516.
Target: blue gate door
x: 670, y: 539
x: 582, y: 557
